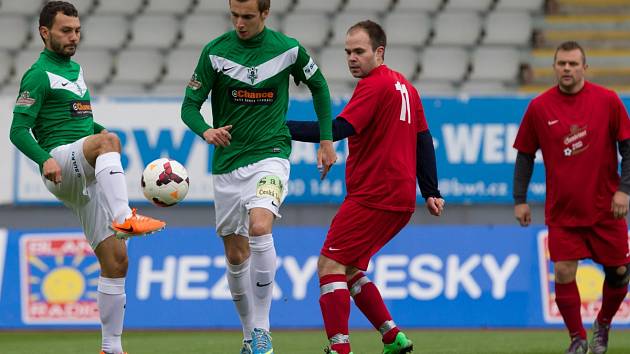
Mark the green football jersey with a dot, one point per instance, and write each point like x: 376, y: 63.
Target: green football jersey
x: 249, y: 81
x: 54, y: 102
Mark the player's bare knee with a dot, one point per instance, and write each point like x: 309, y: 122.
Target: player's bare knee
x: 259, y: 228
x: 617, y: 277
x: 109, y: 143
x: 236, y: 256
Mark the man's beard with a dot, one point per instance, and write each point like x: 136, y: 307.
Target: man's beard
x: 60, y: 49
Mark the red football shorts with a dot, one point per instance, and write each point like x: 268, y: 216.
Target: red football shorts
x: 606, y: 243
x: 357, y: 232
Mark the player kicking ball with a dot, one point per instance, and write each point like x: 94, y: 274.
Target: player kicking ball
x: 390, y: 146
x: 79, y: 160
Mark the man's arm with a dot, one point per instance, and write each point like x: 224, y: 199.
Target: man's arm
x: 98, y: 128
x: 21, y: 137
x: 619, y: 204
x: 523, y: 170
x: 426, y: 169
x: 309, y: 131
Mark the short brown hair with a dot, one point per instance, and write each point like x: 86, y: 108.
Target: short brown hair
x: 50, y: 10
x: 374, y: 31
x: 569, y: 46
x: 263, y: 5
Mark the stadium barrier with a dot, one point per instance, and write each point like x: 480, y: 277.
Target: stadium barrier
x: 430, y: 276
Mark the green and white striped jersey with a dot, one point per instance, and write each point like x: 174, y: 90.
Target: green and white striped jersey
x: 249, y: 81
x: 54, y: 102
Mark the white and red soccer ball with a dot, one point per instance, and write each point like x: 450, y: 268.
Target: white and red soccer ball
x: 164, y: 182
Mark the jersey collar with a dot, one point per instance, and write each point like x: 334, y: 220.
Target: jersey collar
x: 59, y: 59
x: 255, y: 41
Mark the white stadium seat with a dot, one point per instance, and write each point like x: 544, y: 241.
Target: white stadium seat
x: 491, y: 63
x: 13, y: 32
x: 409, y: 28
x: 418, y: 5
x: 343, y: 21
x: 528, y: 5
x: 168, y: 89
x: 332, y: 62
x: 180, y: 65
x: 5, y: 65
x: 330, y: 6
x: 167, y: 7
x: 118, y: 7
x: 22, y: 62
x: 402, y: 59
x: 311, y: 29
x: 200, y: 29
x: 367, y: 5
x: 21, y: 7
x: 508, y: 28
x: 444, y: 64
x: 122, y: 89
x: 83, y: 7
x: 280, y: 6
x: 474, y: 5
x: 457, y: 28
x: 483, y: 88
x: 153, y: 31
x: 108, y: 32
x: 427, y: 88
x: 97, y: 65
x: 138, y: 67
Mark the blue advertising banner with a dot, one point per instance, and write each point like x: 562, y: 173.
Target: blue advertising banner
x: 429, y: 276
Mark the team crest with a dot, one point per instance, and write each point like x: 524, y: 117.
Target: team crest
x: 194, y: 82
x: 24, y: 100
x: 252, y: 74
x: 590, y: 278
x: 59, y: 278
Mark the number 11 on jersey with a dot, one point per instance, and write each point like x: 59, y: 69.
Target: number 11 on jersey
x: 404, y: 105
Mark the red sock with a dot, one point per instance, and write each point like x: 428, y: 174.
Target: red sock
x: 335, y: 306
x: 568, y: 301
x: 368, y: 299
x: 611, y: 300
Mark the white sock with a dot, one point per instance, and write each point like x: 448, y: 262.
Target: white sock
x: 263, y: 271
x: 111, y: 300
x: 111, y: 177
x: 239, y: 281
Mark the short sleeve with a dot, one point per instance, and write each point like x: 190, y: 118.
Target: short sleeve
x: 362, y: 106
x: 33, y: 90
x: 526, y: 139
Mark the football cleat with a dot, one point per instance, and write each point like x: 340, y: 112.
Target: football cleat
x: 400, y: 345
x: 137, y: 225
x: 599, y: 343
x: 578, y: 345
x: 327, y: 350
x: 247, y: 347
x: 261, y: 341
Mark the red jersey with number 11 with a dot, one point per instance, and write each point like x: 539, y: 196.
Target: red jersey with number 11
x: 386, y: 114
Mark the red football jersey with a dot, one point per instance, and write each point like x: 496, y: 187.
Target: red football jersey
x: 386, y: 114
x: 578, y: 137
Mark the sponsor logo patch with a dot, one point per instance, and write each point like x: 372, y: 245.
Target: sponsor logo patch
x: 194, y: 82
x: 270, y: 187
x: 24, y: 100
x: 252, y: 96
x: 80, y: 109
x: 59, y: 278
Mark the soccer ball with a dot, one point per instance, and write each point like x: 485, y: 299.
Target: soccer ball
x: 164, y: 182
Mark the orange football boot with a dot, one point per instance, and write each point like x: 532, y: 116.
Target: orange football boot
x: 137, y: 225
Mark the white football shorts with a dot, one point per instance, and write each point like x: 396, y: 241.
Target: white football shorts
x: 79, y: 191
x: 262, y: 184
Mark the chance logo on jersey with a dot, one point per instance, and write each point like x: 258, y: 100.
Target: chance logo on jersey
x: 252, y: 96
x: 574, y: 141
x: 80, y: 109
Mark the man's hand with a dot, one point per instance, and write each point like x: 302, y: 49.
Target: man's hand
x: 219, y: 136
x: 435, y: 205
x: 523, y: 214
x: 52, y: 171
x: 619, y: 205
x: 326, y: 157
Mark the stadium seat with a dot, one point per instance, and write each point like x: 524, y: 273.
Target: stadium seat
x: 472, y: 5
x: 84, y: 7
x: 5, y: 65
x: 409, y: 28
x: 22, y: 61
x: 340, y: 89
x: 13, y: 32
x: 153, y: 31
x: 443, y: 64
x: 329, y: 6
x: 508, y: 28
x: 332, y: 61
x: 21, y: 7
x: 434, y: 88
x: 491, y: 63
x: 274, y: 22
x: 344, y: 20
x: 122, y: 89
x: 279, y: 6
x: 368, y: 5
x: 415, y: 5
x: 457, y: 28
x: 169, y: 90
x: 138, y: 67
x: 180, y: 65
x: 483, y: 88
x: 97, y: 65
x: 311, y: 29
x: 529, y: 5
x: 118, y: 7
x: 107, y: 32
x: 167, y: 7
x: 402, y: 59
x: 199, y: 29
x: 10, y: 89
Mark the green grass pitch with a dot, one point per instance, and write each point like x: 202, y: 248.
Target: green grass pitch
x: 302, y: 342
